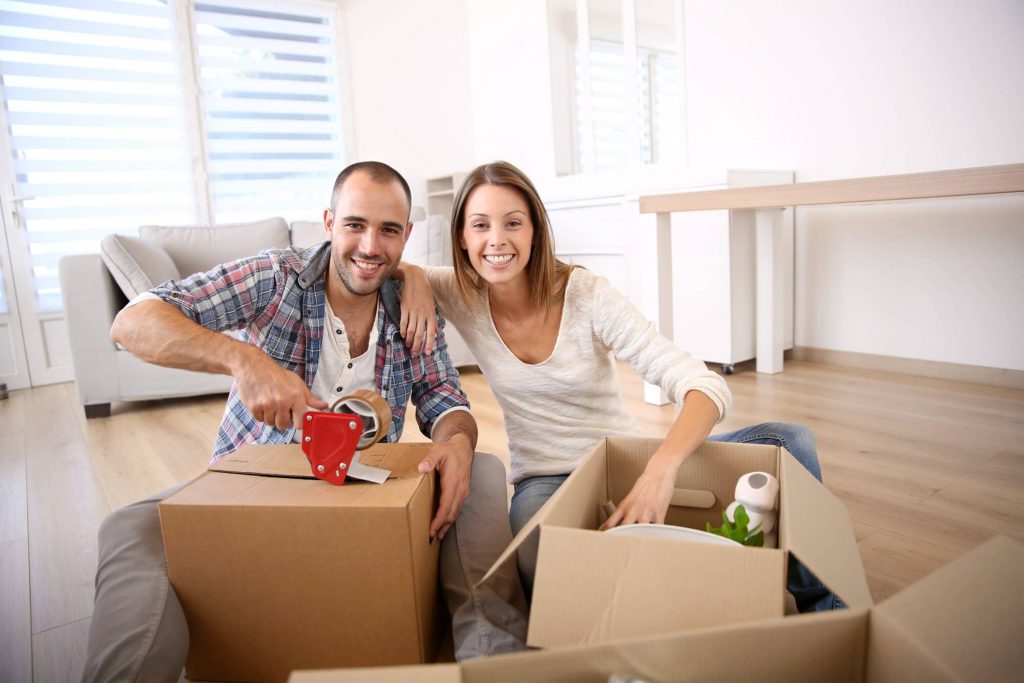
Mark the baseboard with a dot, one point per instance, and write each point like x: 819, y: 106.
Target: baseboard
x: 998, y: 377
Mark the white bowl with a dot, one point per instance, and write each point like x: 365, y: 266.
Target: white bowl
x: 677, y: 533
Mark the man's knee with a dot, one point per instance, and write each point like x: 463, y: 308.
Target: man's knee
x: 488, y: 467
x: 134, y: 529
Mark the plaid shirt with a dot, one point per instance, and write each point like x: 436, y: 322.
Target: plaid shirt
x: 276, y: 299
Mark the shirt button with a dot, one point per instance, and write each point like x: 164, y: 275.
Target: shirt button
x: 350, y: 365
x: 338, y: 390
x: 340, y: 331
x: 384, y: 388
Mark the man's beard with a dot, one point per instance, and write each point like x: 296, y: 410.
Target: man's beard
x: 344, y: 267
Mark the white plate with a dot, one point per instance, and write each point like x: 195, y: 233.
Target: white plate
x: 677, y: 533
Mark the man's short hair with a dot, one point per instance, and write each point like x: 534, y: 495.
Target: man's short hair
x: 379, y: 172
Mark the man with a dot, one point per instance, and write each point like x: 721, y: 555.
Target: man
x: 317, y: 324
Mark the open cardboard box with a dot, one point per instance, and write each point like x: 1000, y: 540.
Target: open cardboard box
x: 593, y: 587
x: 277, y: 570
x: 963, y: 623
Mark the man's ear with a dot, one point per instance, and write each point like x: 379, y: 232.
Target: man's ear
x: 408, y: 231
x: 328, y: 221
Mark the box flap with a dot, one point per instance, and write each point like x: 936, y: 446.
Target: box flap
x: 805, y: 649
x: 288, y: 460
x: 964, y: 622
x: 431, y: 673
x: 569, y: 506
x: 815, y: 527
x: 633, y: 586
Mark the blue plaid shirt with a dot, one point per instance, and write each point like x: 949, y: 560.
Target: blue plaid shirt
x: 277, y: 300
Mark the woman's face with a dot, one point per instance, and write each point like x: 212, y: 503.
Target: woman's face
x: 497, y: 233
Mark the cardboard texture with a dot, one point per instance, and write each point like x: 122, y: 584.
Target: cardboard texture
x: 278, y: 571
x: 592, y: 587
x: 627, y: 576
x: 964, y: 623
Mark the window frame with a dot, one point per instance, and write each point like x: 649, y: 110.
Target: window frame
x: 576, y: 163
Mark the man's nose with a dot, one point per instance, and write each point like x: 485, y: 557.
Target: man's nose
x: 370, y: 243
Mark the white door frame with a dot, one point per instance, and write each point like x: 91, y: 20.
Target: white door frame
x: 43, y: 335
x: 13, y: 361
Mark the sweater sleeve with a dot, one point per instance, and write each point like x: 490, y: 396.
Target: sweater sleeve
x: 634, y: 339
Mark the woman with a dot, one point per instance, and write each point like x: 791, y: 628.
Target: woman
x: 546, y: 335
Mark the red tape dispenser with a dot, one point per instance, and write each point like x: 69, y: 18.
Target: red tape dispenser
x: 330, y: 439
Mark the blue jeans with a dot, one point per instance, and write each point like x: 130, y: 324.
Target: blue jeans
x: 810, y: 594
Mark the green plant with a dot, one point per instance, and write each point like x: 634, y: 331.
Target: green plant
x: 738, y: 531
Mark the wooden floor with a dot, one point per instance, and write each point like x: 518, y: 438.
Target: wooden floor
x: 927, y: 468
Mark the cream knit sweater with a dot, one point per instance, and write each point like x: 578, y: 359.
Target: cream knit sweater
x: 557, y: 410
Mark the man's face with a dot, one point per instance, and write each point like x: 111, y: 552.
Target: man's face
x: 367, y: 229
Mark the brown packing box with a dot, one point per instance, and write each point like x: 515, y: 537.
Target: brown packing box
x: 964, y: 623
x: 277, y: 570
x: 593, y: 587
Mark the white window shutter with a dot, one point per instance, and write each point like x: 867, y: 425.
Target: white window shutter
x: 93, y: 98
x: 268, y: 76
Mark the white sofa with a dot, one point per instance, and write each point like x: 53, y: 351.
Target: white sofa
x: 96, y: 286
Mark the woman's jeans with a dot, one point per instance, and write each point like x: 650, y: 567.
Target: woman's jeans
x: 810, y: 594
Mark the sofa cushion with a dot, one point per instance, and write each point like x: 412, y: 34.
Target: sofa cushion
x: 196, y: 249
x: 137, y: 264
x: 429, y: 242
x: 307, y: 233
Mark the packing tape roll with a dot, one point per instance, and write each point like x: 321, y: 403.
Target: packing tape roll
x: 374, y: 411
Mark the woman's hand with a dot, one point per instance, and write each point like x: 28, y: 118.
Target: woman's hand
x: 650, y: 496
x: 648, y: 500
x: 419, y: 317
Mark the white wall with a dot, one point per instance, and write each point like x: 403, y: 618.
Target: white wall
x: 828, y: 88
x: 410, y: 75
x: 837, y: 89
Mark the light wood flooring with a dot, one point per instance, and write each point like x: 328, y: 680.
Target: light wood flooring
x: 927, y: 468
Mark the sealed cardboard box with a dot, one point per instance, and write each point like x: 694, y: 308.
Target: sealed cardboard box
x: 277, y: 570
x: 594, y: 587
x: 964, y: 623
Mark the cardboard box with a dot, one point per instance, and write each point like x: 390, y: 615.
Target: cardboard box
x: 277, y: 570
x: 963, y: 623
x: 592, y: 587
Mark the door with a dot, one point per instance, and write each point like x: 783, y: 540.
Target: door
x: 34, y: 348
x: 13, y: 361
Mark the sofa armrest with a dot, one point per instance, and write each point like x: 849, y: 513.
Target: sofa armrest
x: 91, y: 300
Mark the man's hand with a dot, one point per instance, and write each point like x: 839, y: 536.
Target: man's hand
x: 419, y: 317
x: 453, y: 461
x: 648, y: 500
x: 452, y: 458
x: 272, y: 394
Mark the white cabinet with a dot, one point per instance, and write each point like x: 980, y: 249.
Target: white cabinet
x: 441, y: 194
x: 710, y: 262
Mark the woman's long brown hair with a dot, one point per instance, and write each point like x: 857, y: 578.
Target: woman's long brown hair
x: 547, y: 276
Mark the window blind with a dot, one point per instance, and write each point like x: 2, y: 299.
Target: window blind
x: 666, y: 106
x: 271, y: 110
x: 609, y: 102
x: 93, y: 103
x: 659, y: 107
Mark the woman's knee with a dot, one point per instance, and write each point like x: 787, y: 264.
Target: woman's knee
x: 797, y: 435
x: 799, y: 441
